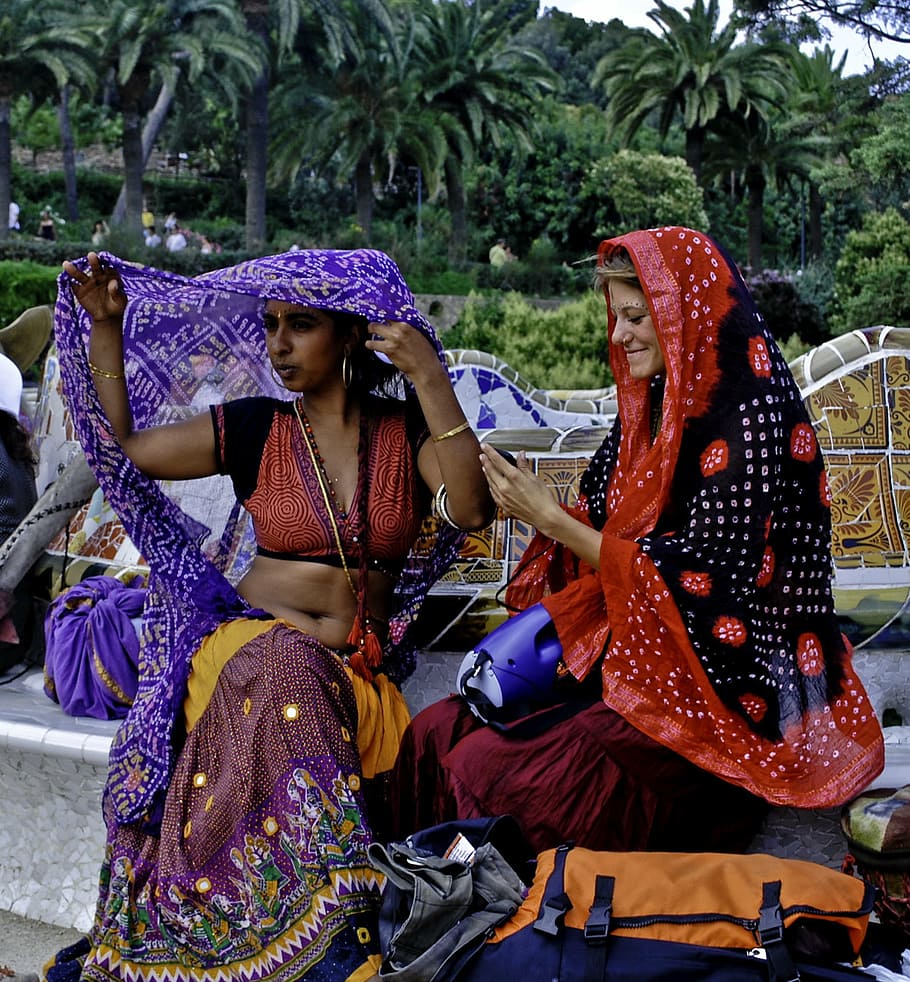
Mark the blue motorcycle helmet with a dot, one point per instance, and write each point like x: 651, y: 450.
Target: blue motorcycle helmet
x: 515, y: 670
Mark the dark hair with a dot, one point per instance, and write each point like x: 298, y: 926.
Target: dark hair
x: 371, y: 374
x: 16, y: 441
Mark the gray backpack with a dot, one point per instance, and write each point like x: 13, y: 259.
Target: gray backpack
x: 438, y: 909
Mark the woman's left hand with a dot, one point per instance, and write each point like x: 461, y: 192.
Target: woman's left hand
x: 405, y: 347
x: 517, y: 490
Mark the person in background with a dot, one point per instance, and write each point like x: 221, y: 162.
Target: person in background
x: 100, y: 232
x: 176, y: 240
x: 690, y: 585
x: 499, y: 255
x: 249, y: 777
x: 152, y: 238
x: 17, y: 496
x: 13, y: 216
x: 46, y: 227
x: 148, y: 217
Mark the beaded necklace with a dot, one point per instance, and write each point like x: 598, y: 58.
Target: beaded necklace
x: 319, y: 462
x: 367, y: 649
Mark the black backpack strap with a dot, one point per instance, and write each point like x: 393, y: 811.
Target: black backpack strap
x: 597, y: 928
x: 771, y: 935
x: 555, y: 904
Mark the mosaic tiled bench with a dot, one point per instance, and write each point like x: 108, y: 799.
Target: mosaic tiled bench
x: 52, y: 770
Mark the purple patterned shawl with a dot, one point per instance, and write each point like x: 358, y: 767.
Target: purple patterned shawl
x: 189, y: 343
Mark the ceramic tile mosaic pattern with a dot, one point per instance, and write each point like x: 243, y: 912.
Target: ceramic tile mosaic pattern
x: 861, y: 414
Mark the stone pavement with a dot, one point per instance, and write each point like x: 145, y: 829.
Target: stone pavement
x: 26, y: 946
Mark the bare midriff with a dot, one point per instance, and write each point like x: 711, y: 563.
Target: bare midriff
x: 313, y: 596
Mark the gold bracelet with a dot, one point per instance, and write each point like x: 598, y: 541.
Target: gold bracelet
x: 452, y: 432
x: 95, y: 370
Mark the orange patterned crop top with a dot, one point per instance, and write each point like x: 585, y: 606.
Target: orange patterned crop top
x: 259, y: 445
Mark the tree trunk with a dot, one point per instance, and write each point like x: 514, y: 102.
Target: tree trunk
x: 816, y: 209
x: 68, y: 146
x: 50, y: 513
x: 150, y: 132
x: 755, y: 190
x: 257, y: 135
x: 455, y: 195
x: 132, y: 167
x: 695, y: 148
x: 6, y: 165
x: 363, y: 181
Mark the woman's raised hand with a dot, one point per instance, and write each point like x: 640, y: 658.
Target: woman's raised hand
x: 405, y: 347
x: 99, y: 291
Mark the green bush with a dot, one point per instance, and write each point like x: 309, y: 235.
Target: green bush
x: 564, y: 348
x: 815, y: 285
x: 534, y: 279
x: 448, y: 282
x: 23, y: 285
x: 793, y: 347
x: 871, y: 276
x: 34, y: 190
x: 631, y: 190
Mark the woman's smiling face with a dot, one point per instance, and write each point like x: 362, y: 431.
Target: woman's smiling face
x: 634, y: 330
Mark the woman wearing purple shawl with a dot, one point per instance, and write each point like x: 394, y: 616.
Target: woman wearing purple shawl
x: 245, y: 783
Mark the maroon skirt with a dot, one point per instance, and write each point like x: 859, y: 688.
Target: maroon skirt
x: 590, y: 777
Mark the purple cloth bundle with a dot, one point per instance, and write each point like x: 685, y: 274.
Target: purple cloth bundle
x: 91, y: 665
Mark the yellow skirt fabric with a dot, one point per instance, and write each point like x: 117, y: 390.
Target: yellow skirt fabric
x: 382, y: 713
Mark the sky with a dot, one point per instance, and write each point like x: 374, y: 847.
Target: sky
x: 634, y: 13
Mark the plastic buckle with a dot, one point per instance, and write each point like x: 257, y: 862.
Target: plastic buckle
x: 551, y: 915
x: 770, y: 925
x: 597, y: 926
x: 771, y: 935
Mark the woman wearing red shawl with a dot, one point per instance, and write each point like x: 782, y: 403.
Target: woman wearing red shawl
x: 693, y: 576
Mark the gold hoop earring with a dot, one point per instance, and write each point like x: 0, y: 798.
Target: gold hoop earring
x: 276, y: 376
x: 347, y: 371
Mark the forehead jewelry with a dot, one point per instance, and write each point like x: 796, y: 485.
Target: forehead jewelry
x: 629, y: 305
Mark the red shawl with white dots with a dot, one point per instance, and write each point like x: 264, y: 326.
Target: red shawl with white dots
x: 711, y: 616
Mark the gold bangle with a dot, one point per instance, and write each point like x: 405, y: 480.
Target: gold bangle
x: 452, y: 432
x: 95, y: 370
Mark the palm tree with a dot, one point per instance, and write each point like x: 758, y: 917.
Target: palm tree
x: 689, y: 71
x: 38, y: 49
x: 817, y: 97
x: 150, y: 47
x: 763, y: 151
x: 260, y: 15
x: 357, y: 104
x: 479, y: 86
